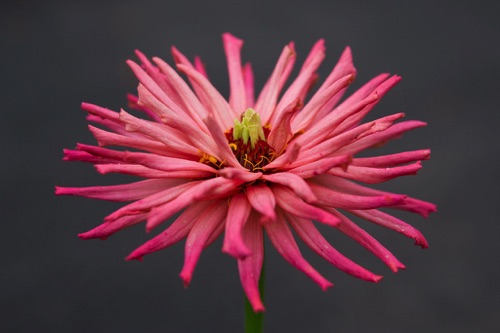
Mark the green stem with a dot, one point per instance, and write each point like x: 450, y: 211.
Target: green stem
x: 254, y: 321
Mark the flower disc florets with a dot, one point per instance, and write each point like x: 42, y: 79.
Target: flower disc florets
x: 247, y: 139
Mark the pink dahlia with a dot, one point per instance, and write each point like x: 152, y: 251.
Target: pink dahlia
x: 272, y: 163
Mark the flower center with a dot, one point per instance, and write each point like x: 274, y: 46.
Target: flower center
x: 247, y: 139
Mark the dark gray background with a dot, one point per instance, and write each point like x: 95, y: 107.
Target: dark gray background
x: 53, y: 55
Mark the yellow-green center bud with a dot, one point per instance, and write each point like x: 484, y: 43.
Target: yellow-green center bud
x: 250, y: 127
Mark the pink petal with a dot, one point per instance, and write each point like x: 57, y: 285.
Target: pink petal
x: 298, y: 185
x: 218, y: 108
x: 409, y: 204
x: 237, y: 216
x: 153, y: 200
x: 302, y: 81
x: 354, y: 119
x: 208, y: 189
x: 311, y: 109
x: 367, y: 241
x: 337, y: 143
x: 393, y: 132
x: 268, y: 97
x: 387, y: 161
x: 250, y: 268
x: 376, y: 175
x: 174, y: 233
x: 293, y: 205
x: 313, y: 238
x: 393, y: 223
x: 206, y: 225
x: 262, y: 200
x: 321, y: 166
x: 125, y: 192
x: 239, y: 174
x: 249, y: 84
x: 145, y: 172
x: 107, y: 229
x: 337, y: 199
x: 237, y: 96
x: 224, y: 152
x: 281, y: 237
x: 281, y: 132
x: 192, y: 106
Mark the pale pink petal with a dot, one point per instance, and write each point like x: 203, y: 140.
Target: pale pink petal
x: 375, y: 175
x: 281, y: 237
x: 124, y: 192
x: 218, y: 108
x: 367, y: 241
x: 237, y: 96
x: 133, y: 102
x: 237, y: 215
x: 298, y: 185
x: 293, y: 205
x: 250, y: 268
x: 387, y: 161
x: 306, y: 230
x: 268, y: 97
x: 249, y: 84
x: 262, y: 200
x: 174, y: 233
x: 389, y: 221
x: 192, y: 106
x: 240, y: 174
x: 206, y: 226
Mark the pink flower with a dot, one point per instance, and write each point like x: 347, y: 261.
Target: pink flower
x: 246, y: 166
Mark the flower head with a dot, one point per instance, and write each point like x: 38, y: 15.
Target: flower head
x: 248, y: 166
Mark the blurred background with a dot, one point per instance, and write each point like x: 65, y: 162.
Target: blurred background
x: 56, y: 54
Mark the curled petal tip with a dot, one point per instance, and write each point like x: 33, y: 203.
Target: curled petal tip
x: 186, y: 278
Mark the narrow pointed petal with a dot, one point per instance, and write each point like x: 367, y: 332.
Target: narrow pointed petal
x: 391, y: 133
x: 237, y: 96
x: 107, y: 229
x: 224, y: 151
x: 269, y: 95
x: 262, y: 200
x: 125, y: 192
x: 298, y: 185
x: 376, y: 175
x: 293, y: 205
x: 249, y: 85
x: 389, y: 221
x: 250, y: 268
x: 177, y: 231
x: 206, y: 225
x: 313, y: 238
x: 302, y: 81
x: 322, y: 166
x: 337, y: 199
x: 367, y: 241
x: 281, y: 237
x: 237, y: 216
x: 387, y: 161
x: 206, y: 190
x: 218, y: 108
